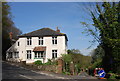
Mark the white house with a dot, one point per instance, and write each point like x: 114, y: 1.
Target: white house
x: 42, y: 44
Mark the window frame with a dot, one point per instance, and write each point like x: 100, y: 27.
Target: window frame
x: 54, y: 53
x: 54, y: 40
x: 18, y: 43
x: 38, y: 54
x: 16, y: 54
x: 35, y: 56
x: 29, y: 54
x: 29, y: 40
x: 40, y: 41
x: 10, y: 54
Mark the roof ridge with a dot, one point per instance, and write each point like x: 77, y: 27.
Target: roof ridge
x: 32, y: 31
x: 55, y: 31
x: 42, y: 29
x: 43, y: 32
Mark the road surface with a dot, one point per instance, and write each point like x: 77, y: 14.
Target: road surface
x: 19, y: 73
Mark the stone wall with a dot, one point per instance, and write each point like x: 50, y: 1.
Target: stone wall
x: 53, y: 68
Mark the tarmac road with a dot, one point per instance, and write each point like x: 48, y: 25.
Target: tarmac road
x: 17, y: 73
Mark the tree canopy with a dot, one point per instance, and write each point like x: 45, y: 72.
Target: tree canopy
x: 106, y: 19
x: 7, y: 27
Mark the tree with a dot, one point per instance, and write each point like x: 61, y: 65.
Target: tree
x: 74, y: 56
x: 7, y: 27
x: 67, y: 60
x: 97, y: 54
x: 106, y: 19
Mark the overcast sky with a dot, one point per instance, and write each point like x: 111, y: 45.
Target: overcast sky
x: 30, y: 16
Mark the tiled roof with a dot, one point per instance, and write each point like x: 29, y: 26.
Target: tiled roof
x: 43, y: 32
x: 40, y: 48
x: 12, y: 48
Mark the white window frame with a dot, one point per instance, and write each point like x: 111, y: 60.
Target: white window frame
x: 29, y: 54
x: 54, y: 53
x: 29, y: 41
x: 40, y: 41
x: 54, y: 40
x: 38, y: 55
x: 16, y: 54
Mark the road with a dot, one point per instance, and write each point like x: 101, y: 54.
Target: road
x: 19, y: 73
x: 16, y: 72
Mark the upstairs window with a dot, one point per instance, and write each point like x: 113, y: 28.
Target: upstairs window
x: 29, y: 41
x: 18, y: 44
x: 54, y: 53
x: 29, y: 56
x: 40, y: 40
x: 54, y: 40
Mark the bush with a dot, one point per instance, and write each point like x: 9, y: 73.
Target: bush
x: 50, y: 62
x: 112, y: 76
x: 38, y: 62
x: 66, y: 73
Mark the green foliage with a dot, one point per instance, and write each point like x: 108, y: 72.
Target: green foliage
x: 97, y: 64
x: 106, y: 22
x: 66, y: 58
x: 38, y: 62
x: 78, y: 67
x: 7, y: 27
x: 97, y: 54
x: 77, y: 58
x: 50, y: 62
x: 66, y: 73
x: 74, y: 56
x: 112, y: 76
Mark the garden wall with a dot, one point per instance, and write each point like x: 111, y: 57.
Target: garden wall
x: 53, y: 68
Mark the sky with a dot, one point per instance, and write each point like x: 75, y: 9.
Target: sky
x: 30, y: 16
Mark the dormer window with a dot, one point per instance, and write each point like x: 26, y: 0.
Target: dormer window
x: 40, y: 40
x: 54, y: 40
x: 29, y: 41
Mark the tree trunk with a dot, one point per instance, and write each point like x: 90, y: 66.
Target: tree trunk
x: 107, y: 59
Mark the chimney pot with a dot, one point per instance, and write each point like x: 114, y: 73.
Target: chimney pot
x: 57, y: 29
x: 10, y: 34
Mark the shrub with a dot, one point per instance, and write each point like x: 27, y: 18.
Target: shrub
x: 112, y: 76
x: 66, y: 73
x: 38, y: 62
x: 50, y: 62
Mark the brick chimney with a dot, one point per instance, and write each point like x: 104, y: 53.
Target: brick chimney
x: 11, y: 35
x: 57, y: 29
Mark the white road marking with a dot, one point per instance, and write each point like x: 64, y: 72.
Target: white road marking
x: 25, y: 76
x: 82, y: 76
x: 49, y: 75
x: 39, y: 73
